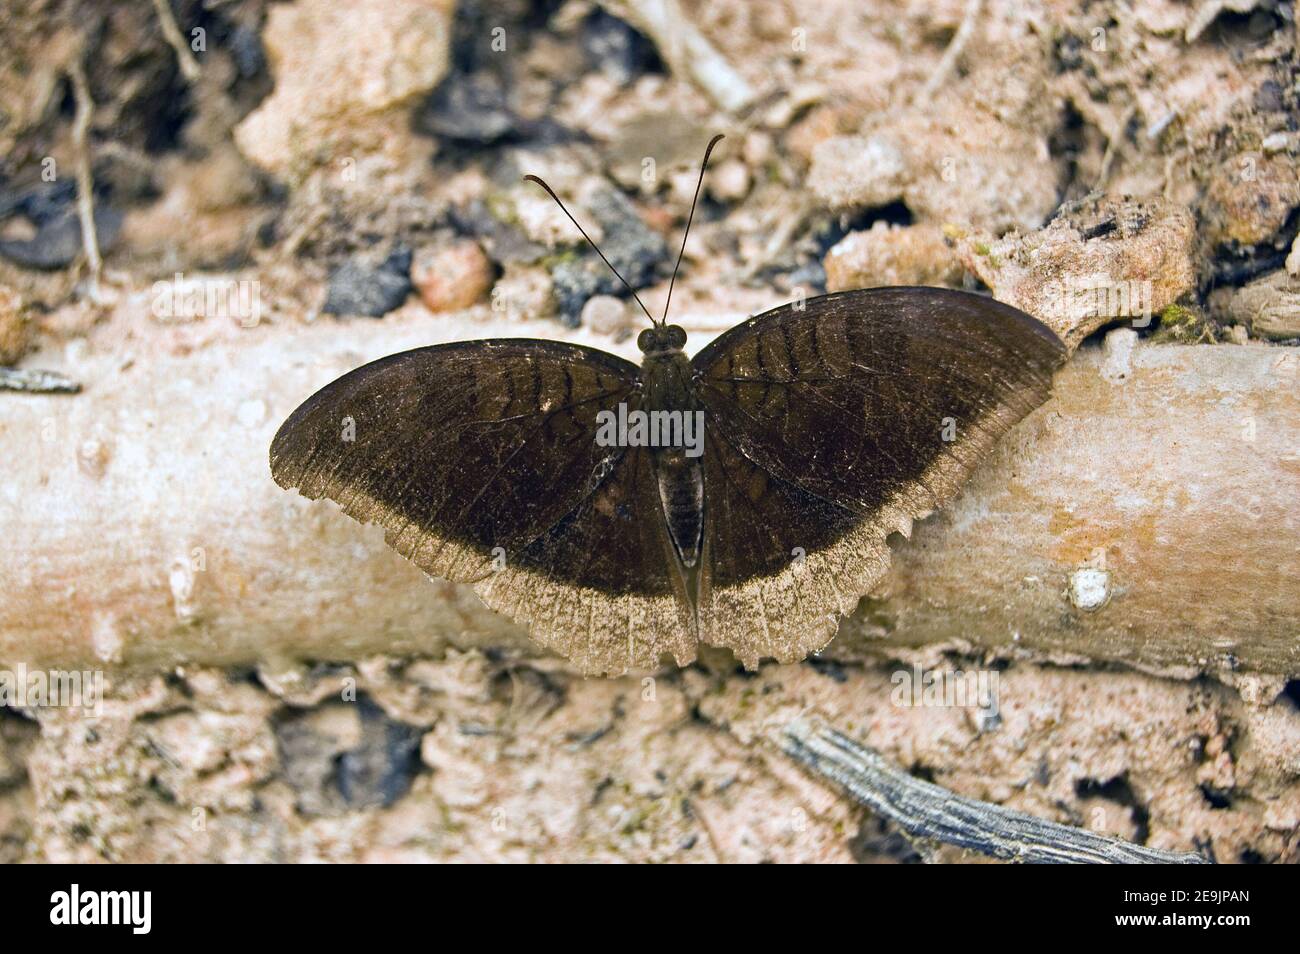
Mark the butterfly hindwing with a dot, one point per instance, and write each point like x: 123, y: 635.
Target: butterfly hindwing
x: 832, y: 425
x: 602, y: 586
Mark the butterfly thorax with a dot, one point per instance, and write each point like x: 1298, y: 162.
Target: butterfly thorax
x: 668, y: 396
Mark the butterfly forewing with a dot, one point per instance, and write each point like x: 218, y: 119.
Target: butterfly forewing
x: 834, y: 424
x: 459, y: 450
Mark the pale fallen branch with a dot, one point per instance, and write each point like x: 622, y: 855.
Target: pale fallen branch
x: 927, y: 811
x: 142, y: 527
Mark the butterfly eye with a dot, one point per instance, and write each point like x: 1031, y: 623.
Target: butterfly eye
x: 647, y: 340
x: 676, y: 336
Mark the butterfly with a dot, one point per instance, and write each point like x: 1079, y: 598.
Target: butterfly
x: 627, y: 513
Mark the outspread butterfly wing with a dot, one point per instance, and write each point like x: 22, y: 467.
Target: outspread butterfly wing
x: 833, y: 425
x: 480, y: 461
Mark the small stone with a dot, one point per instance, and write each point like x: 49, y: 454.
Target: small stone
x: 15, y: 330
x: 1270, y: 306
x: 681, y: 187
x: 503, y: 242
x: 1249, y: 198
x: 469, y: 108
x: 1276, y: 142
x: 857, y: 171
x: 1117, y: 354
x: 57, y: 241
x: 1293, y: 259
x: 730, y: 182
x: 524, y: 292
x: 181, y: 579
x: 616, y: 49
x: 819, y: 125
x: 356, y: 288
x: 451, y: 278
x: 892, y: 255
x: 650, y: 145
x: 1089, y: 588
x: 757, y: 149
x: 607, y: 315
x: 1098, y: 260
x: 542, y: 221
x: 345, y: 78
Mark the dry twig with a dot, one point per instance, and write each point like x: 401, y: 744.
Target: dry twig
x: 85, y: 180
x: 189, y: 66
x: 950, y: 55
x: 928, y: 812
x: 685, y: 49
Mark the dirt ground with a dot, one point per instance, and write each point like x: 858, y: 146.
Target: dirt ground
x: 360, y: 165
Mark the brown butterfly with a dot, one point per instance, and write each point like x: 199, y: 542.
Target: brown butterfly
x: 740, y: 498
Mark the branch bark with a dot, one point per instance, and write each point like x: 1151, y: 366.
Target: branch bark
x: 1145, y: 514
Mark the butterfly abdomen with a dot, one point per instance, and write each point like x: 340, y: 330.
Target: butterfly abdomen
x: 681, y: 492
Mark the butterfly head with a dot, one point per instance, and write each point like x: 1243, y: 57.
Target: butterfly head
x: 661, y: 339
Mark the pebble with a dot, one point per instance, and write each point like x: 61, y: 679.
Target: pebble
x: 730, y: 181
x: 357, y: 288
x: 857, y: 171
x: 505, y: 243
x: 15, y: 331
x: 451, y: 278
x: 607, y: 315
x: 57, y: 241
x: 1249, y: 198
x: 616, y: 49
x: 523, y: 292
x: 469, y: 108
x: 891, y: 255
x: 344, y: 76
x: 1089, y: 588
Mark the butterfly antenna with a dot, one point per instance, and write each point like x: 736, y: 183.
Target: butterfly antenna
x: 690, y: 218
x: 552, y: 194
